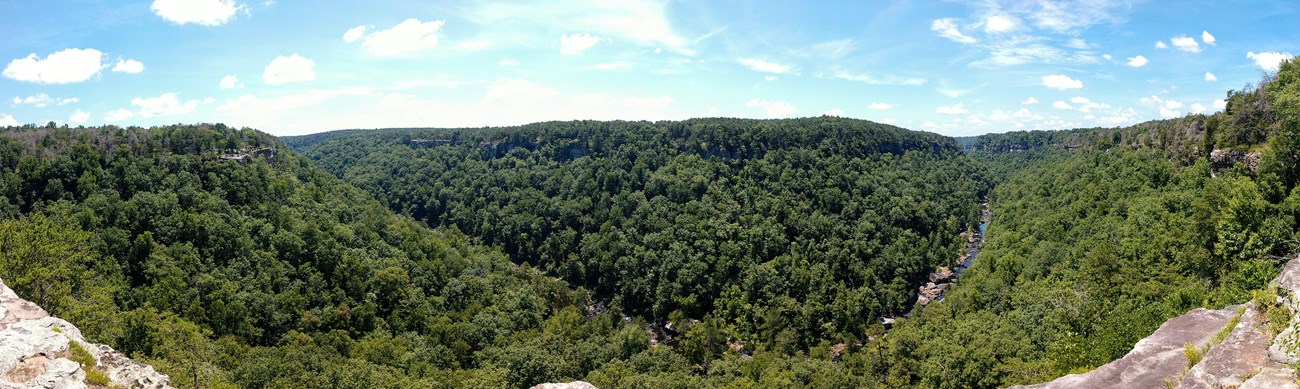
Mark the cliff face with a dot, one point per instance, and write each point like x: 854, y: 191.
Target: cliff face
x: 41, y: 351
x: 1234, y: 345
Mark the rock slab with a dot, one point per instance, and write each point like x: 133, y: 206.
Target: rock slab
x: 35, y: 352
x: 1242, y: 353
x: 1154, y: 359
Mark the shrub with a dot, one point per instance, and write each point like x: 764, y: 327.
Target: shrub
x: 1193, y: 353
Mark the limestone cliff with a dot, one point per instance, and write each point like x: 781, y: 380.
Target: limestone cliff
x: 1235, y: 346
x: 40, y: 351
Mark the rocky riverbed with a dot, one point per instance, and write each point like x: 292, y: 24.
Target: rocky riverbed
x: 943, y: 278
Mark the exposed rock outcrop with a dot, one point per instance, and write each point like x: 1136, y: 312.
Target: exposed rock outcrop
x: 1247, y: 357
x: 36, y: 352
x: 1154, y: 359
x: 1221, y: 160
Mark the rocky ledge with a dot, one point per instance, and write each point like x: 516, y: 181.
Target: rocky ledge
x: 1236, y: 347
x: 36, y: 351
x: 1221, y: 160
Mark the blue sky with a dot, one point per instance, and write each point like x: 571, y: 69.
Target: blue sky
x: 956, y: 68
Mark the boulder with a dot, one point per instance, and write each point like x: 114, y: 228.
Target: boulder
x: 35, y: 352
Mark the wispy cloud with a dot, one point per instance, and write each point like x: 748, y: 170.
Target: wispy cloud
x: 871, y: 79
x: 947, y: 28
x: 763, y: 66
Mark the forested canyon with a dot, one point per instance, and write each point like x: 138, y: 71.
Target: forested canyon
x: 708, y: 252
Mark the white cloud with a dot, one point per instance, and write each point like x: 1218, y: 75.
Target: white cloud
x: 951, y: 110
x: 1161, y: 45
x: 879, y: 106
x: 1107, y: 57
x: 1173, y: 104
x: 834, y: 49
x: 1197, y: 108
x: 1084, y: 105
x: 1220, y: 104
x: 1207, y: 38
x: 354, y: 33
x: 118, y: 115
x: 79, y: 117
x: 62, y: 67
x: 1062, y: 82
x: 1061, y: 105
x: 1065, y: 16
x: 294, y: 68
x: 999, y: 24
x: 577, y: 43
x: 7, y: 120
x: 230, y: 81
x: 946, y: 90
x: 1029, y: 101
x: 1117, y: 117
x: 999, y: 115
x: 769, y: 78
x: 407, y: 37
x: 1268, y: 60
x: 201, y: 12
x: 128, y: 66
x: 1138, y: 61
x: 1210, y: 77
x: 165, y: 105
x: 42, y: 100
x: 834, y: 112
x: 947, y: 28
x: 641, y: 22
x: 774, y: 109
x: 1077, y: 43
x: 1185, y: 43
x: 759, y: 65
x: 1169, y: 113
x: 873, y: 80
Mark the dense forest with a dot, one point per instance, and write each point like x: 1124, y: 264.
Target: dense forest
x: 1100, y: 235
x: 699, y: 253
x: 261, y: 270
x: 783, y: 234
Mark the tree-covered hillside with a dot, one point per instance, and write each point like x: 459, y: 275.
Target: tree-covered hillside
x: 782, y: 234
x: 1100, y: 235
x: 270, y: 272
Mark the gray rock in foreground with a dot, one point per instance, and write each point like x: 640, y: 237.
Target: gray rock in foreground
x: 1154, y: 359
x: 35, y: 352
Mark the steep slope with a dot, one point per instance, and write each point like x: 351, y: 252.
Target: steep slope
x: 221, y: 258
x: 780, y: 233
x: 41, y: 351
